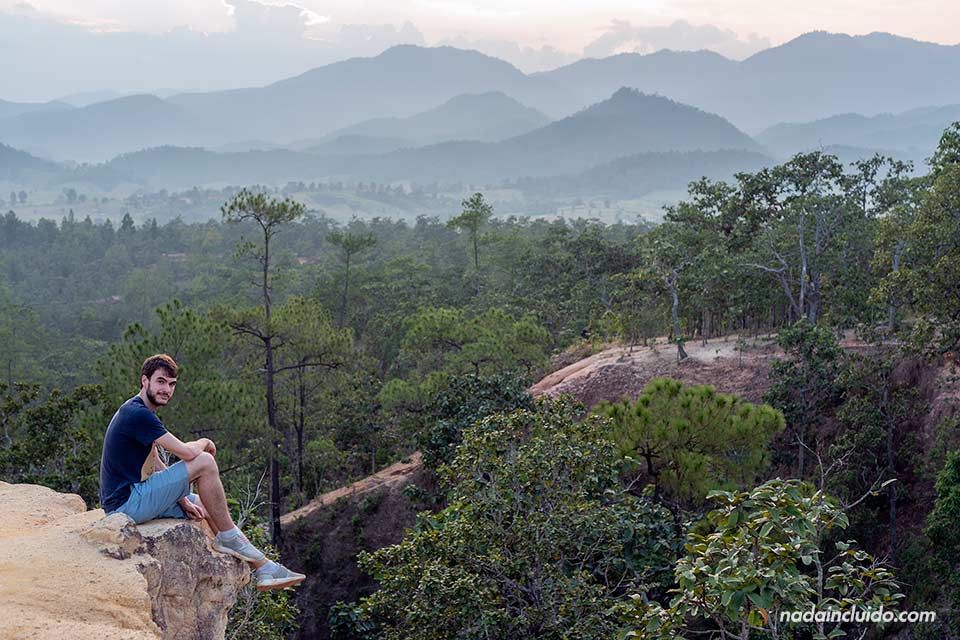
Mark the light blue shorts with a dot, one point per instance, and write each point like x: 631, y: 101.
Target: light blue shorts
x: 156, y: 497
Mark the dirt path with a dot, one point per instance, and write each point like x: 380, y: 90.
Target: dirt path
x: 394, y: 474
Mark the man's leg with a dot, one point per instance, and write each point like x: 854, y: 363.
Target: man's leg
x: 204, y: 472
x: 270, y: 575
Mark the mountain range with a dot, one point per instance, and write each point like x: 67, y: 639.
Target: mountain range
x: 912, y: 132
x: 486, y: 117
x: 626, y: 124
x: 814, y: 76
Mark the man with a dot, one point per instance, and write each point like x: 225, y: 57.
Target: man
x: 132, y: 437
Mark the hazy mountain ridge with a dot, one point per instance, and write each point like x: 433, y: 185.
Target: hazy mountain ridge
x: 639, y: 174
x: 101, y: 130
x: 400, y: 82
x: 626, y: 124
x: 910, y: 131
x: 14, y: 109
x: 487, y: 117
x: 814, y: 76
x: 16, y: 164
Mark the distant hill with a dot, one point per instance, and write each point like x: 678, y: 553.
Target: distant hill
x: 400, y: 82
x: 487, y: 117
x: 911, y: 132
x: 103, y: 130
x: 86, y: 98
x: 813, y: 76
x: 247, y: 145
x: 640, y: 174
x: 626, y: 124
x: 14, y: 109
x: 678, y: 75
x: 20, y: 165
x: 353, y: 144
x: 183, y: 167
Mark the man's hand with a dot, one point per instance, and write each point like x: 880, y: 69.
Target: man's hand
x: 208, y: 446
x: 203, y: 444
x: 193, y: 511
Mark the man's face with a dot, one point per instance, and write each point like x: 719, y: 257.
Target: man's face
x: 159, y: 387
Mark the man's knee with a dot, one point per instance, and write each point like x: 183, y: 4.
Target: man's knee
x: 203, y: 464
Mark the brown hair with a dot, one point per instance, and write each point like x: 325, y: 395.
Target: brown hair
x: 159, y: 361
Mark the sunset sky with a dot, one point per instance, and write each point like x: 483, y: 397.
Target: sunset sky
x: 105, y: 43
x: 569, y: 26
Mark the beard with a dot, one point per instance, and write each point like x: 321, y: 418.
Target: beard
x: 154, y: 400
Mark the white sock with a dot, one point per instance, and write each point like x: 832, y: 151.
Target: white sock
x: 230, y: 534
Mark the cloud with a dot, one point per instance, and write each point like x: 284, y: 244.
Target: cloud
x: 262, y: 43
x: 623, y: 37
x: 527, y: 59
x: 366, y: 39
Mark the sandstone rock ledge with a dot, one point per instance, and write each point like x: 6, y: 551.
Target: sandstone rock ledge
x: 70, y: 573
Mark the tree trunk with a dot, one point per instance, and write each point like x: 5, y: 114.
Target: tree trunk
x: 346, y: 290
x: 476, y: 259
x: 813, y: 300
x: 300, y: 427
x: 803, y: 265
x: 891, y: 308
x: 891, y: 490
x: 276, y: 536
x: 673, y: 284
x: 800, y: 452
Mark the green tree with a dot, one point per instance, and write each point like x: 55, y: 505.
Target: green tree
x: 311, y: 347
x: 876, y: 442
x: 52, y: 439
x: 269, y: 215
x: 805, y: 384
x: 688, y: 439
x: 452, y: 340
x: 349, y: 245
x: 475, y: 215
x: 538, y: 541
x: 22, y: 336
x: 927, y: 280
x: 763, y: 553
x: 941, y: 549
x: 466, y: 400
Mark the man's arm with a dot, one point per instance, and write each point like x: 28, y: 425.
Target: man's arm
x: 185, y: 450
x: 193, y: 511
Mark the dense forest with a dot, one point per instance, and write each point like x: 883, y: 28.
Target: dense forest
x: 315, y: 352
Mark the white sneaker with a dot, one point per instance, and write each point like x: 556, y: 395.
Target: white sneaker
x: 274, y: 575
x: 238, y: 547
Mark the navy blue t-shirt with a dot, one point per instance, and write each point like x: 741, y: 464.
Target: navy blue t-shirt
x: 126, y: 445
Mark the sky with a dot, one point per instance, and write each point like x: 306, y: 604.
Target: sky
x: 147, y: 45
